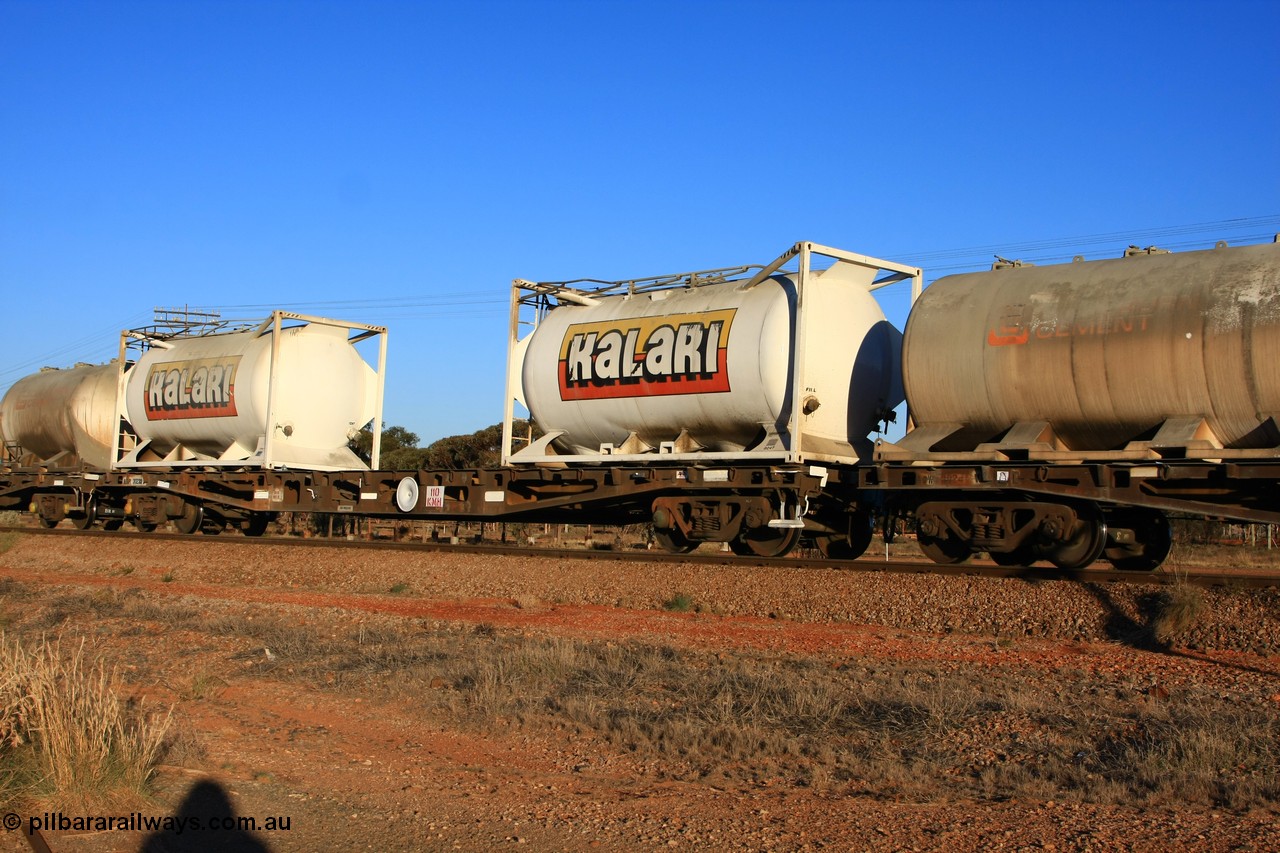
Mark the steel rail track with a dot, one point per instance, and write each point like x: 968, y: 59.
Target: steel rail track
x: 1195, y: 575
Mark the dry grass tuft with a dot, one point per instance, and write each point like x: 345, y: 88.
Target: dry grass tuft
x: 8, y: 539
x: 679, y: 603
x: 1177, y: 609
x: 64, y: 731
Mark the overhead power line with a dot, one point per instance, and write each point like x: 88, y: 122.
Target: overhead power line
x: 1219, y: 228
x: 494, y: 301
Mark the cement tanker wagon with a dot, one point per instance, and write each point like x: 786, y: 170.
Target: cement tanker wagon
x: 59, y: 417
x: 277, y: 396
x: 1149, y: 354
x: 789, y: 365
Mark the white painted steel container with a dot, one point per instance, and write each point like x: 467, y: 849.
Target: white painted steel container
x: 714, y: 363
x: 1104, y: 351
x: 211, y: 396
x: 62, y: 411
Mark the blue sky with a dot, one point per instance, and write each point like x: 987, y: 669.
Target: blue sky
x: 399, y: 163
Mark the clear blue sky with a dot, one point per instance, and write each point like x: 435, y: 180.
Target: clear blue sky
x: 400, y: 163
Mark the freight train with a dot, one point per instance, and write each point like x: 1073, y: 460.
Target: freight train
x: 1058, y: 413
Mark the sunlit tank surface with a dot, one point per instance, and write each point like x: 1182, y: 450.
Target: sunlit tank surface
x: 713, y: 363
x: 62, y: 412
x: 1104, y: 351
x: 209, y: 396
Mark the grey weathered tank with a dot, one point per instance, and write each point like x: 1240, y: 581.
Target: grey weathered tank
x: 1154, y: 349
x: 58, y: 413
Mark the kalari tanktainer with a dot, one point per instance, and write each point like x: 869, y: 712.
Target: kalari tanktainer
x: 744, y: 362
x: 287, y: 393
x: 1152, y: 352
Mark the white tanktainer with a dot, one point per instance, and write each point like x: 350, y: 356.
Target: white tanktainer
x: 749, y: 363
x: 288, y: 392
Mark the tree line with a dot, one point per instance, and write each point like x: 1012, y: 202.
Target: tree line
x: 400, y: 450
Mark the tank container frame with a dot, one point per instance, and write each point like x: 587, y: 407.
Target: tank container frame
x: 136, y: 342
x: 532, y: 301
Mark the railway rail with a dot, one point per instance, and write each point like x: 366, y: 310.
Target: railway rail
x: 1203, y: 576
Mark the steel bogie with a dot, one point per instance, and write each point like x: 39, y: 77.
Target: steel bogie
x: 1022, y: 532
x: 81, y: 508
x: 1003, y: 526
x: 146, y: 511
x: 49, y: 509
x: 144, y: 507
x: 1013, y: 532
x: 751, y: 524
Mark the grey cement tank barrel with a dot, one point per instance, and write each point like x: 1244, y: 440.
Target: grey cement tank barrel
x: 63, y: 411
x: 1104, y: 351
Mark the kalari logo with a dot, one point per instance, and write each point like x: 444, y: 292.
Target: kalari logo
x: 646, y: 356
x: 1018, y: 325
x: 196, y: 388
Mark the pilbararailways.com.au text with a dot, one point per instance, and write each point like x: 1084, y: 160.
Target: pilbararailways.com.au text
x: 138, y: 822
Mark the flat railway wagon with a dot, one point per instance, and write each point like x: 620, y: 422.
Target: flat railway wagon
x: 717, y: 405
x: 1058, y: 413
x: 1063, y: 412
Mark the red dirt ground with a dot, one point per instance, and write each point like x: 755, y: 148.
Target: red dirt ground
x: 354, y: 773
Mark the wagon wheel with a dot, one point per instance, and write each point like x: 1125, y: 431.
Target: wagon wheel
x: 1086, y: 544
x: 851, y: 546
x: 946, y: 550
x: 145, y: 526
x: 112, y: 524
x: 84, y: 522
x: 191, y: 519
x: 256, y: 524
x: 673, y: 541
x: 46, y: 522
x: 766, y: 541
x: 1155, y: 541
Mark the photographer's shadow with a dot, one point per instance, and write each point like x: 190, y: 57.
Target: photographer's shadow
x: 207, y: 805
